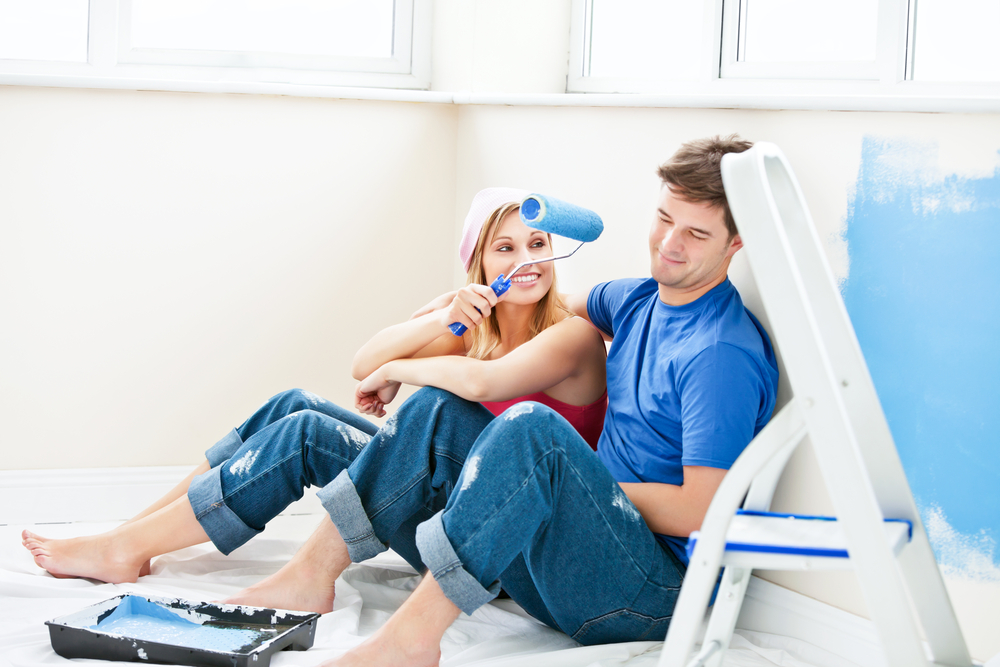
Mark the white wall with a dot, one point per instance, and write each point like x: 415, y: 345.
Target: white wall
x: 168, y: 261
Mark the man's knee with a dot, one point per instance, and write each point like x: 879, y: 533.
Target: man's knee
x: 531, y: 427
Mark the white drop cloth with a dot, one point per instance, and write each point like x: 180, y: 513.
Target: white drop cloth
x: 499, y: 633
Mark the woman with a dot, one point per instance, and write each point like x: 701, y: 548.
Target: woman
x: 524, y: 345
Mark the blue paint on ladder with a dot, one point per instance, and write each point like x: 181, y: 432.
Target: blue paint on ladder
x: 923, y: 293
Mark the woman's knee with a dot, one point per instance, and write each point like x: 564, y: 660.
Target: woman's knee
x: 292, y: 400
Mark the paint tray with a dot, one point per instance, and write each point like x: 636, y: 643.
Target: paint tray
x: 136, y: 628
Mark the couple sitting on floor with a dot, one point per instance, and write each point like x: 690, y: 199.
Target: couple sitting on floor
x: 488, y: 478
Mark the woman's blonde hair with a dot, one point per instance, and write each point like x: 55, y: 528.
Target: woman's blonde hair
x: 548, y: 310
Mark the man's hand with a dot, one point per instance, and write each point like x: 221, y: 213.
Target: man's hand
x: 375, y: 392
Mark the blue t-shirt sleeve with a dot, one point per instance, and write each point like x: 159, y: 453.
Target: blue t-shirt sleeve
x: 604, y: 301
x: 721, y: 393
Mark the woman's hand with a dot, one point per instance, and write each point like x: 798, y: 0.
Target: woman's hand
x: 375, y: 392
x: 470, y: 306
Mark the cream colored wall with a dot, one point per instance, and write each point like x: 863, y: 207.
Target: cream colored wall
x: 168, y: 261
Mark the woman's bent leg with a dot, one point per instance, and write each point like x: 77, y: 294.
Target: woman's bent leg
x: 406, y: 471
x: 228, y: 504
x: 235, y: 500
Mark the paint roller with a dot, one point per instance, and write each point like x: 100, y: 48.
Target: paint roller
x: 552, y: 216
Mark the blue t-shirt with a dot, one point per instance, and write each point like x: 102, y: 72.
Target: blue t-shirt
x: 688, y: 385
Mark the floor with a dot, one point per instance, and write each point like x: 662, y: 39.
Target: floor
x: 499, y: 633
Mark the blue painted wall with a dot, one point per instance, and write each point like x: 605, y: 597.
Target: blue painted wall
x: 923, y: 292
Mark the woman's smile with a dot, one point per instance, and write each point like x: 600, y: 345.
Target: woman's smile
x: 525, y: 279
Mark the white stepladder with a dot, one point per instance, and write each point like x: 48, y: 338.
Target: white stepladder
x: 877, y: 531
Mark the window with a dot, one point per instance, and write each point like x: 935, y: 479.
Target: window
x: 54, y: 30
x: 953, y: 40
x: 217, y: 45
x: 929, y: 55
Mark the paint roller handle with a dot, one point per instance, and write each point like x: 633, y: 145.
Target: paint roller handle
x: 499, y: 287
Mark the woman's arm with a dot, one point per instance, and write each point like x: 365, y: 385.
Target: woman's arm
x: 426, y: 333
x: 569, y: 348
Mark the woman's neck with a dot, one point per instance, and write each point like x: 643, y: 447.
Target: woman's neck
x: 514, y: 321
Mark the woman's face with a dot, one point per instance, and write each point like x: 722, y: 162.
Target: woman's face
x: 514, y: 243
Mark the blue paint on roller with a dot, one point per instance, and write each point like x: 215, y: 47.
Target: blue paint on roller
x: 555, y: 216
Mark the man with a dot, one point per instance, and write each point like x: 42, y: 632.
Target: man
x: 591, y: 545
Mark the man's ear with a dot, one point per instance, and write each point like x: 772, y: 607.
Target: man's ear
x: 735, y: 244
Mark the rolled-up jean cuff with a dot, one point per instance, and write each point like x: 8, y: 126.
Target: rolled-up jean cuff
x: 226, y: 530
x: 439, y: 556
x: 224, y: 448
x: 341, y: 501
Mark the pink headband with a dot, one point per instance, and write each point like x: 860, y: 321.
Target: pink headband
x: 483, y: 204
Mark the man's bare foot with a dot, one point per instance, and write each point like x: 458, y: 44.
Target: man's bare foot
x: 291, y: 588
x: 95, y: 557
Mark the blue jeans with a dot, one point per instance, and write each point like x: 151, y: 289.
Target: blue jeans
x: 520, y: 501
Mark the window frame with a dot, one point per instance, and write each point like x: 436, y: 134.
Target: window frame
x: 113, y: 63
x: 885, y: 85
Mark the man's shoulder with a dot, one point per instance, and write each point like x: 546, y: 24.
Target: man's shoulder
x: 628, y: 289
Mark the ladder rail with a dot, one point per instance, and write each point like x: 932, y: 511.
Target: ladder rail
x: 840, y: 406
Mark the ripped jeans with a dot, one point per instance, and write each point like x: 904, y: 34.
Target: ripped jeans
x: 519, y: 502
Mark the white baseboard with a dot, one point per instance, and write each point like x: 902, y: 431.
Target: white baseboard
x: 770, y: 608
x: 96, y: 494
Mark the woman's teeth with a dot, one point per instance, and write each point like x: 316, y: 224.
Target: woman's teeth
x: 530, y: 278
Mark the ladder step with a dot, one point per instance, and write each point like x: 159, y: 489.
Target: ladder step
x: 769, y: 540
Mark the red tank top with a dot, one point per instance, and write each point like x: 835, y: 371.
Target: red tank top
x: 588, y: 420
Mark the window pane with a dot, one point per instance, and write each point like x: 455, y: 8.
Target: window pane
x: 809, y: 31
x: 300, y: 27
x: 44, y: 29
x: 956, y: 41
x: 657, y: 39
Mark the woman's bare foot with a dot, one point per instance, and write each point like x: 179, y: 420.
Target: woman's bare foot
x: 307, y: 582
x: 95, y: 557
x: 388, y: 647
x: 411, y: 636
x: 290, y: 588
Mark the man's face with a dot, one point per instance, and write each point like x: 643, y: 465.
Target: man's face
x: 689, y: 248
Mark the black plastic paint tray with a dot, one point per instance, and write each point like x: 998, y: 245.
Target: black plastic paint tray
x: 136, y: 628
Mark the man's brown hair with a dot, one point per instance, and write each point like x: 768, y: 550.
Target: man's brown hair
x: 693, y: 173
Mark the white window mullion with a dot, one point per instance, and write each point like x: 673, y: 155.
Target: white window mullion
x: 579, y: 41
x: 893, y: 24
x: 713, y: 39
x: 731, y: 36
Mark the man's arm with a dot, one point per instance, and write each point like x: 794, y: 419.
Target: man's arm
x: 676, y: 510
x: 577, y: 303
